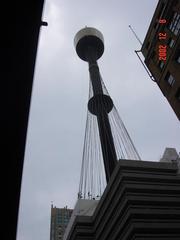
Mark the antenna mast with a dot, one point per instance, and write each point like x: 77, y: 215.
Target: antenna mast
x: 137, y: 53
x: 135, y: 35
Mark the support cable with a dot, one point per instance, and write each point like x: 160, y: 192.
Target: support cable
x: 93, y: 180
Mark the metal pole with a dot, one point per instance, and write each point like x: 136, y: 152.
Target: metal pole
x: 135, y: 35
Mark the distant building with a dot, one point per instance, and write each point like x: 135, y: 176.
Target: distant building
x: 170, y: 154
x: 59, y: 221
x: 161, y: 49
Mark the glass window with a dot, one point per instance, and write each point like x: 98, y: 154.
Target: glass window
x: 178, y: 57
x: 169, y: 79
x: 174, y: 25
x: 155, y: 25
x: 178, y: 94
x: 161, y: 11
x: 171, y: 42
x: 161, y: 64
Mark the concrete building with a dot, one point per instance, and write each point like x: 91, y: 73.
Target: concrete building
x: 161, y: 49
x: 170, y: 154
x: 141, y: 201
x: 59, y: 221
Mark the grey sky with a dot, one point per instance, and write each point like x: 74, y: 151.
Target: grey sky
x: 60, y: 93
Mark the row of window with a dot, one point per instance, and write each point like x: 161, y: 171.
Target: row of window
x: 171, y: 80
x: 63, y: 221
x: 177, y: 60
x: 174, y: 22
x: 174, y: 25
x: 63, y: 217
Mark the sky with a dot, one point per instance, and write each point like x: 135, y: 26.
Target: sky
x: 59, y: 102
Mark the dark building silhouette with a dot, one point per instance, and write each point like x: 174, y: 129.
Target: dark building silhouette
x: 19, y: 33
x: 161, y: 49
x: 59, y: 221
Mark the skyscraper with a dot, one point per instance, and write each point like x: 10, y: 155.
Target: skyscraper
x: 161, y: 49
x: 59, y: 221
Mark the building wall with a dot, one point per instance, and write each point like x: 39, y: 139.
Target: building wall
x: 59, y: 221
x: 162, y: 70
x: 141, y: 201
x: 20, y: 34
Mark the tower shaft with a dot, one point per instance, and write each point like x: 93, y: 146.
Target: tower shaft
x: 107, y: 144
x: 95, y: 78
x: 106, y: 138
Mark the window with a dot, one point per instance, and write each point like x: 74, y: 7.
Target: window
x: 161, y: 64
x: 171, y: 42
x: 174, y: 25
x: 169, y: 79
x: 178, y: 94
x: 161, y: 10
x: 177, y: 58
x: 155, y: 25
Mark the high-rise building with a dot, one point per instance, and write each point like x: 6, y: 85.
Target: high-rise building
x: 161, y: 49
x: 59, y: 221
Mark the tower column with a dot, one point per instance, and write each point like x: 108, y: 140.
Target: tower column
x: 95, y: 78
x: 107, y: 144
x: 106, y: 138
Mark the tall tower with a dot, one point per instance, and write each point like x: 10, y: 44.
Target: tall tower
x: 106, y: 138
x: 89, y: 44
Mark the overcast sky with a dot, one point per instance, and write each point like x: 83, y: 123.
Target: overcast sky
x: 59, y: 100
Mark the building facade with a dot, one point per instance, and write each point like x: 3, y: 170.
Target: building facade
x: 141, y: 201
x: 59, y: 221
x: 161, y: 49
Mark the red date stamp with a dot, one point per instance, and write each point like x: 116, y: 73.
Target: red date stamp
x: 162, y: 50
